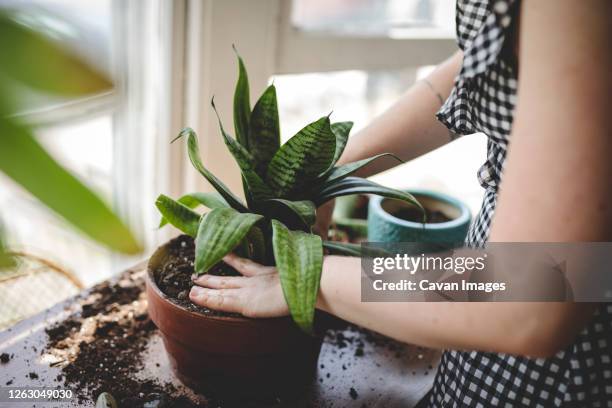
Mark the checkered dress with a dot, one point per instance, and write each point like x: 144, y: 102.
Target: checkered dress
x: 483, y: 100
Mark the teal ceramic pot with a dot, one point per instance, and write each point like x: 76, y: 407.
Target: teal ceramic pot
x: 385, y: 227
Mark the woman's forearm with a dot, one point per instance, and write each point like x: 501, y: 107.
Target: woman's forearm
x: 409, y: 128
x: 533, y: 329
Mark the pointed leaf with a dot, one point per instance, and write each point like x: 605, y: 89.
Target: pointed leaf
x: 24, y: 160
x: 62, y: 73
x: 295, y: 214
x: 299, y: 260
x: 242, y: 104
x: 194, y: 155
x: 340, y: 172
x: 357, y: 185
x: 193, y: 200
x: 302, y: 158
x: 220, y: 231
x: 264, y: 130
x: 341, y: 132
x: 178, y: 214
x: 257, y: 189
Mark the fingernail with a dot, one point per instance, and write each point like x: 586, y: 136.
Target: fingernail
x: 196, y: 291
x: 194, y: 276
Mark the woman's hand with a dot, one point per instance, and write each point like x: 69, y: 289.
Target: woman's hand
x: 257, y: 293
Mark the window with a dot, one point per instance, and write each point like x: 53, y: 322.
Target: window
x: 169, y: 58
x: 112, y: 141
x: 392, y: 18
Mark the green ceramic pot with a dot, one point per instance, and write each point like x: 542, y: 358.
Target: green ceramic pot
x: 383, y: 226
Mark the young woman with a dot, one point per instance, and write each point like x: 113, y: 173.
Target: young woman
x: 538, y: 74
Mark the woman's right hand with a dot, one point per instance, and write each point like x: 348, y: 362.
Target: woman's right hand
x: 324, y: 217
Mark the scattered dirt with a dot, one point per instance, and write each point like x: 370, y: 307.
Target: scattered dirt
x: 4, y: 358
x: 173, y: 277
x: 414, y: 214
x: 100, y: 349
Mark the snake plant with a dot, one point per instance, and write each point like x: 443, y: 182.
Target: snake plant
x: 283, y: 186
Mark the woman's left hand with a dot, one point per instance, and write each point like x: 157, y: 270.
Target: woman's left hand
x: 257, y: 293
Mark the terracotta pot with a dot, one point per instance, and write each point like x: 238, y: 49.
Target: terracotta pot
x: 213, y: 353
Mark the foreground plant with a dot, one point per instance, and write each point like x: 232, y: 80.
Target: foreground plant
x: 283, y: 186
x: 22, y: 157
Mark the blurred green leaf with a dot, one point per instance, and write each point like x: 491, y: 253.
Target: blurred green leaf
x: 32, y: 59
x: 28, y: 164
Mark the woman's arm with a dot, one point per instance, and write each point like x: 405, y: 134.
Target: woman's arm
x: 556, y: 187
x: 409, y: 128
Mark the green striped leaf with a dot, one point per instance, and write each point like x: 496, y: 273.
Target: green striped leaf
x: 194, y: 155
x: 295, y: 214
x: 242, y: 104
x: 340, y: 172
x: 299, y: 261
x: 193, y: 200
x: 24, y: 160
x: 178, y: 214
x: 341, y: 132
x: 357, y: 185
x: 220, y: 231
x: 302, y: 159
x: 257, y: 189
x: 264, y: 130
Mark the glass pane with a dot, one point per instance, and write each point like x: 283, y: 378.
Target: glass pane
x: 359, y: 96
x: 391, y: 18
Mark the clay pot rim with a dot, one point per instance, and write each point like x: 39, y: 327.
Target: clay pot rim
x: 150, y: 281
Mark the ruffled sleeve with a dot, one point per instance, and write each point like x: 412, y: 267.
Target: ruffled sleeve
x: 486, y: 81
